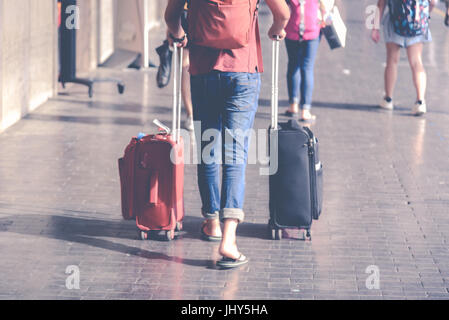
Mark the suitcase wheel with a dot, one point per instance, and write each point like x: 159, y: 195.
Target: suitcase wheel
x: 169, y: 235
x: 121, y: 88
x: 273, y: 234
x: 279, y: 234
x: 306, y: 235
x: 276, y: 234
x: 143, y: 235
x: 178, y: 226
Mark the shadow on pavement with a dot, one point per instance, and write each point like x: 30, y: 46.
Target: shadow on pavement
x: 331, y: 105
x: 89, y: 232
x: 124, y: 106
x: 347, y: 106
x: 86, y: 120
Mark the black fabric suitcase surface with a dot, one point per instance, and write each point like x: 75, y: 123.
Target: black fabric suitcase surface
x: 296, y: 187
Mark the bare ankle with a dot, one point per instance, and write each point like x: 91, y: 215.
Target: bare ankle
x: 229, y: 250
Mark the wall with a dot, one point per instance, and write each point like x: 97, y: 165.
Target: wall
x: 129, y: 23
x: 28, y: 41
x: 95, y: 37
x: 29, y: 48
x: 86, y: 36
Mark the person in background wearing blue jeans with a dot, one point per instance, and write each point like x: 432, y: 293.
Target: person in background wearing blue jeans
x: 302, y: 41
x: 225, y: 87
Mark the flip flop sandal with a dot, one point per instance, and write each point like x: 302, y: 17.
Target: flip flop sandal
x: 228, y: 263
x: 207, y: 237
x: 288, y: 113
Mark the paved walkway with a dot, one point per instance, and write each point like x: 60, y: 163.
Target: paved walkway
x: 386, y: 192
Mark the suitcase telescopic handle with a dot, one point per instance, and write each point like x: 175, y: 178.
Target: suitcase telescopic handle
x: 177, y: 83
x: 275, y: 84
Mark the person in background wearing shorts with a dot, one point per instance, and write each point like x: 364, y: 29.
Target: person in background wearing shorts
x: 414, y: 46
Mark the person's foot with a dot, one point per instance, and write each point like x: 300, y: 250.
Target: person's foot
x: 387, y: 103
x: 231, y: 256
x: 188, y: 124
x: 229, y: 263
x: 211, y: 230
x: 293, y: 110
x: 446, y: 20
x: 419, y: 108
x: 291, y: 114
x: 164, y: 70
x: 306, y: 116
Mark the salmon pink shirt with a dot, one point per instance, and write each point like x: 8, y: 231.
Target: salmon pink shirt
x: 247, y: 59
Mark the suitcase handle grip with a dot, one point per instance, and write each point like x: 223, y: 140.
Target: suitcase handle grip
x: 154, y: 188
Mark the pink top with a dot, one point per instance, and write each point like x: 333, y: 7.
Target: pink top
x: 312, y: 23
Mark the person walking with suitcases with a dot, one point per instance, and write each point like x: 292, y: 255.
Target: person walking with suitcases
x: 405, y: 25
x: 225, y: 67
x: 302, y: 41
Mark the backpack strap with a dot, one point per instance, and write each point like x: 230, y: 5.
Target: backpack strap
x: 417, y: 11
x: 302, y: 22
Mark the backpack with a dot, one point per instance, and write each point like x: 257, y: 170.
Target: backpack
x: 410, y: 18
x: 221, y: 24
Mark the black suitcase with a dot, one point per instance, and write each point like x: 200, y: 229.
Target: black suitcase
x: 296, y: 188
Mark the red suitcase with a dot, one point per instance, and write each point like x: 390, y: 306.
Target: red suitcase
x: 152, y: 174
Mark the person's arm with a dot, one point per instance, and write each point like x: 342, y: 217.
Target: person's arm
x: 325, y: 9
x: 281, y: 15
x: 432, y: 4
x: 173, y: 14
x: 327, y: 5
x: 375, y: 33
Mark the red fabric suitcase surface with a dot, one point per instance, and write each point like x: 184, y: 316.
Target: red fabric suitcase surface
x: 152, y: 183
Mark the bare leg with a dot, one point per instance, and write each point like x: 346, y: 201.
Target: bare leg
x: 185, y: 88
x: 228, y: 247
x: 212, y: 227
x: 414, y: 54
x: 391, y: 70
x: 307, y: 115
x: 294, y: 108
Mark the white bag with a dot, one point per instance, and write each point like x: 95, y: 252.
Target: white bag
x: 335, y: 33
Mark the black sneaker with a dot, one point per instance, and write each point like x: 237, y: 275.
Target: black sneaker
x: 164, y: 71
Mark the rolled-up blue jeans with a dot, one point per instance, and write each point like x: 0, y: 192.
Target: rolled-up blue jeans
x: 300, y: 73
x: 225, y: 104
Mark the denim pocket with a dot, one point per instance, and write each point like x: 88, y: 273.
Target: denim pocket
x: 245, y: 80
x: 245, y: 90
